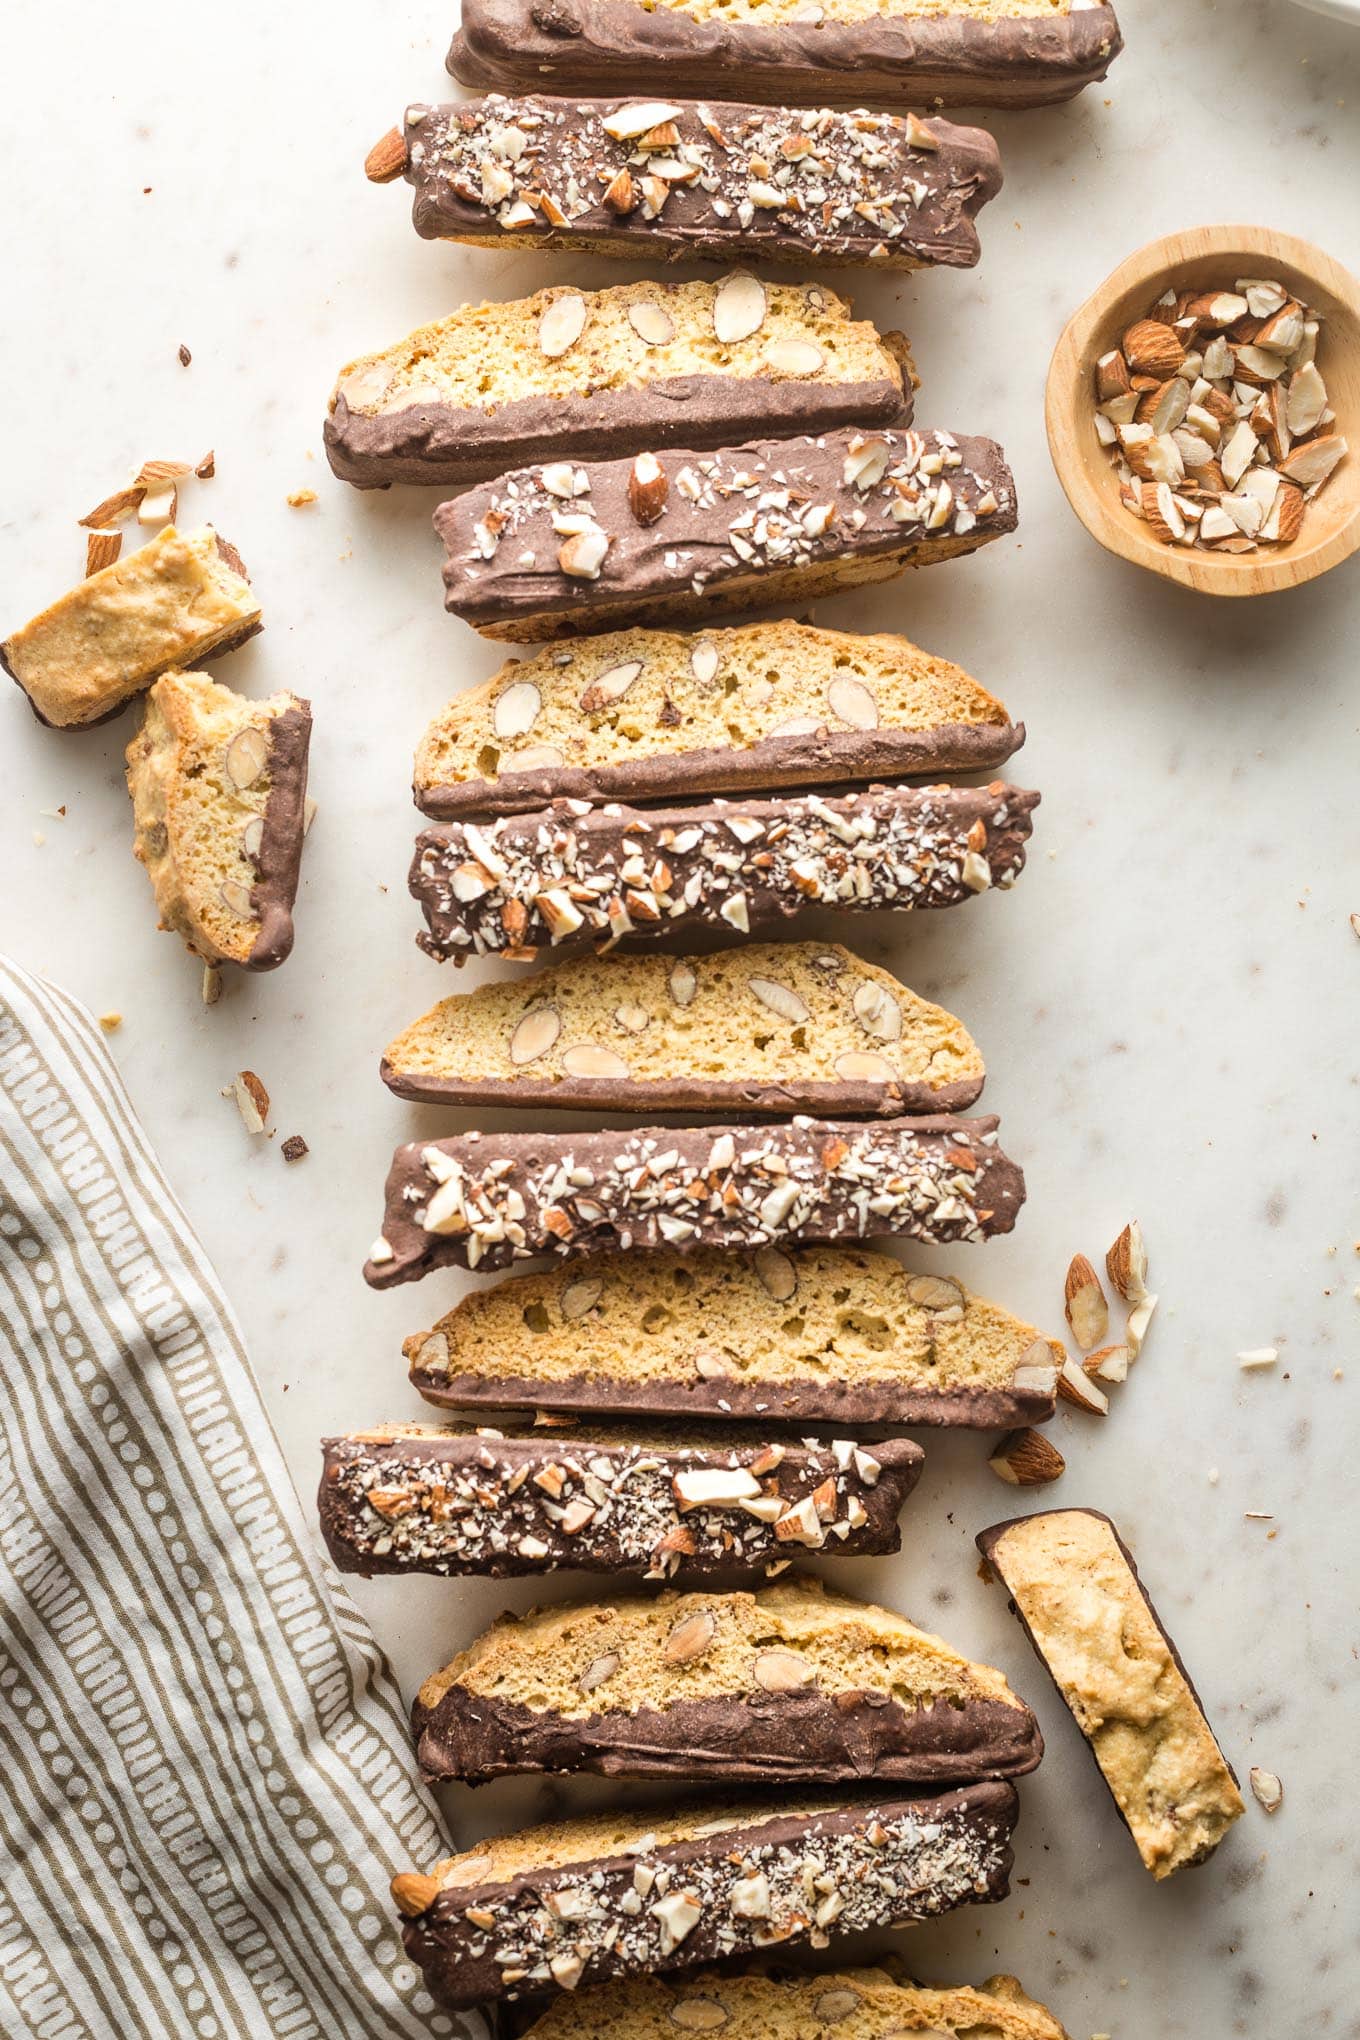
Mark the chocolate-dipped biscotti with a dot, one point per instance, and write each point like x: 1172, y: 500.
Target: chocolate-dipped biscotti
x: 181, y: 598
x: 572, y: 873
x: 482, y: 1202
x: 790, y: 1683
x: 658, y: 714
x: 798, y: 52
x: 685, y: 181
x: 775, y: 1027
x: 219, y: 787
x: 1076, y: 1590
x: 595, y: 374
x: 827, y: 1335
x: 410, y: 1498
x: 554, y: 1908
x: 559, y: 548
x: 860, y: 2004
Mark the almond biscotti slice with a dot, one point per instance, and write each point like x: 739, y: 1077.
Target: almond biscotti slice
x: 560, y: 548
x: 773, y: 183
x: 724, y: 868
x: 595, y: 374
x: 793, y: 1682
x: 487, y: 1202
x: 219, y: 787
x: 180, y: 598
x: 825, y: 1336
x: 412, y: 1498
x: 776, y: 1027
x: 584, y: 1901
x: 903, y: 52
x: 657, y: 714
x: 858, y: 2004
x: 1076, y: 1590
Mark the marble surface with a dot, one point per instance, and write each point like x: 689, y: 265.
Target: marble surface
x: 1167, y: 1000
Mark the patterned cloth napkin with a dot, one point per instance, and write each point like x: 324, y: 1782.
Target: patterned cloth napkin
x: 205, y: 1776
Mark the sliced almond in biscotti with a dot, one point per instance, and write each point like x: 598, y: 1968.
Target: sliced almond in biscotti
x: 780, y: 1027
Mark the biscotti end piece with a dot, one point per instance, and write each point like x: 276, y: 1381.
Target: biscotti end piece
x: 1076, y: 1590
x: 1010, y: 53
x: 824, y: 1336
x: 490, y: 1202
x: 523, y: 1499
x: 861, y: 2004
x: 772, y: 181
x: 654, y: 715
x: 682, y: 535
x: 593, y: 374
x: 775, y: 1027
x: 793, y: 1682
x: 181, y: 598
x: 218, y: 787
x: 567, y: 1906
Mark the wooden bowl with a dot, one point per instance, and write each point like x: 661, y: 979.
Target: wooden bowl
x: 1203, y: 259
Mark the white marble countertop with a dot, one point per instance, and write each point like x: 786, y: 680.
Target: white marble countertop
x: 1167, y: 1001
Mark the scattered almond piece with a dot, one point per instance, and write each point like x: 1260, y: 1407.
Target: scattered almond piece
x: 1257, y: 1357
x: 252, y: 1100
x: 299, y: 499
x: 1266, y: 1789
x: 212, y: 984
x: 1027, y: 1459
x: 185, y: 357
x: 101, y: 550
x: 1355, y: 924
x: 1136, y: 1324
x: 207, y: 467
x: 1075, y: 1386
x: 1087, y: 1311
x: 113, y: 509
x: 110, y: 1022
x: 1126, y: 1263
x: 1111, y: 1363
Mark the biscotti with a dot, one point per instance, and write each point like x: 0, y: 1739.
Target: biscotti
x: 859, y: 2004
x: 181, y: 598
x: 1076, y: 1590
x: 776, y: 1027
x: 675, y: 178
x: 790, y: 1683
x: 594, y: 374
x: 218, y: 788
x: 826, y: 1336
x: 918, y: 52
x: 657, y: 715
x: 554, y: 1908
x: 558, y: 548
x: 480, y: 1202
x: 570, y: 873
x: 409, y: 1498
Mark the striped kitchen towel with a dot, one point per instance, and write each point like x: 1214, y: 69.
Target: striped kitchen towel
x: 205, y: 1777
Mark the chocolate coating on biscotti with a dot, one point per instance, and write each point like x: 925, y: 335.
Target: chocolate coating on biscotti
x: 543, y: 881
x: 744, y: 525
x: 845, y: 1738
x: 922, y: 183
x: 458, y: 446
x: 888, y: 1861
x: 948, y: 60
x: 279, y: 857
x: 470, y: 1503
x: 487, y: 1202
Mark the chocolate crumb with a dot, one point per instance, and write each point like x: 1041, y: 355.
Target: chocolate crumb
x: 294, y: 1148
x: 185, y: 357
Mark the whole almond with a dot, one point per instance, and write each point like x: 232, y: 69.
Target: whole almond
x: 1027, y: 1459
x: 387, y: 159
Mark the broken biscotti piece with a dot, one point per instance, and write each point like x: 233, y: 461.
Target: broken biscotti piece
x: 586, y: 1900
x: 561, y: 547
x: 572, y: 873
x: 679, y: 179
x: 828, y: 1335
x: 487, y: 1202
x: 914, y: 52
x: 656, y: 714
x: 182, y: 598
x: 791, y: 1682
x: 218, y: 789
x: 596, y: 374
x: 411, y: 1498
x: 861, y: 2004
x: 1076, y: 1590
x: 777, y: 1027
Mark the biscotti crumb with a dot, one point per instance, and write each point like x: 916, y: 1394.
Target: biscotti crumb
x: 299, y: 499
x: 110, y: 1022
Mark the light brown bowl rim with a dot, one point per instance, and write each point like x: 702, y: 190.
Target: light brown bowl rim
x: 1067, y: 393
